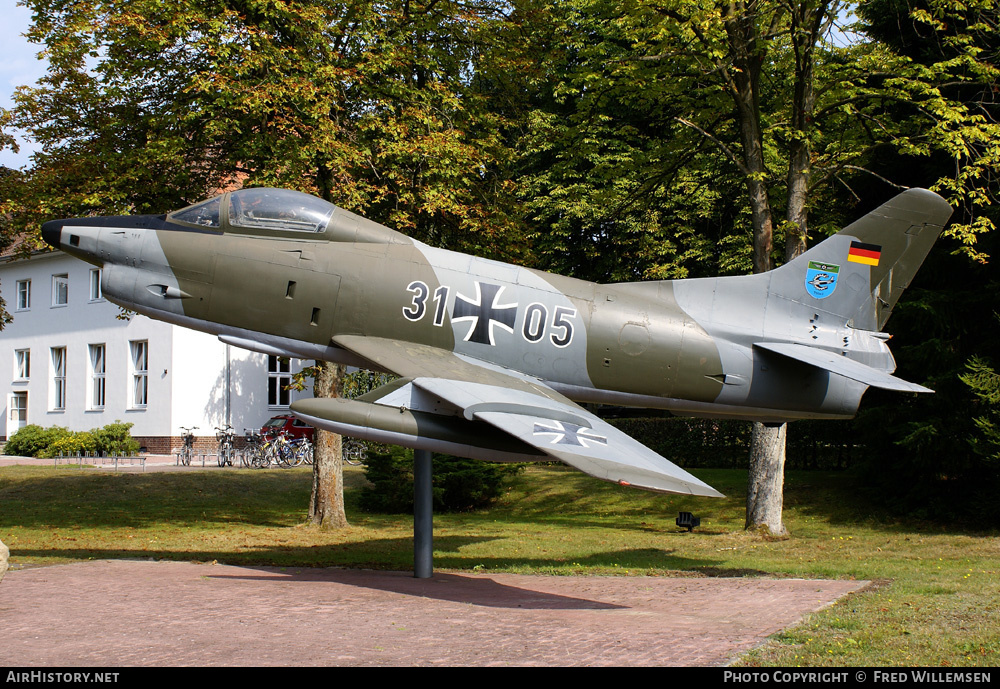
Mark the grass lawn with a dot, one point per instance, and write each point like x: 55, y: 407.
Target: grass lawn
x: 935, y: 600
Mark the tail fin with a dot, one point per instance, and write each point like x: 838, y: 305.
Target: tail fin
x: 861, y: 271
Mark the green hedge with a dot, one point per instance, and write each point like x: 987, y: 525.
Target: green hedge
x: 35, y: 441
x: 724, y: 444
x: 32, y: 440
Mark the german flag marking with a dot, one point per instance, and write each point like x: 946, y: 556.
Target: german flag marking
x: 869, y: 254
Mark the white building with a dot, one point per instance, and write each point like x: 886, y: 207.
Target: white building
x: 70, y: 358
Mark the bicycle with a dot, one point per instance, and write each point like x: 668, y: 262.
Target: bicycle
x: 280, y: 450
x: 247, y: 454
x: 263, y: 451
x: 255, y: 454
x: 226, y: 438
x: 301, y: 451
x: 187, y: 452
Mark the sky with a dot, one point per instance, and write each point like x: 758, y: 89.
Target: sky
x: 18, y: 65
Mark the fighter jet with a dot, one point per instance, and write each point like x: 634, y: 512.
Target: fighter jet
x: 493, y: 359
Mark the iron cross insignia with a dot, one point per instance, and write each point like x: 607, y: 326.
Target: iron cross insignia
x: 569, y: 434
x: 484, y: 313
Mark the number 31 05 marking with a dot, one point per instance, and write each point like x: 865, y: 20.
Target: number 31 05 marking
x: 536, y: 316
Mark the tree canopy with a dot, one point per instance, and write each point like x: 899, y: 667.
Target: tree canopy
x: 608, y: 140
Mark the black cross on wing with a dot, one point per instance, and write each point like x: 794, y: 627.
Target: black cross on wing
x: 569, y: 434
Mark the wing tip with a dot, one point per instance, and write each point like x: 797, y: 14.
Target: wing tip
x: 700, y: 490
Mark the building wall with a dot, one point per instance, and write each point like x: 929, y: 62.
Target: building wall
x: 223, y: 384
x: 188, y: 381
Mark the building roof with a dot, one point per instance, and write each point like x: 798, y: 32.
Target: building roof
x: 24, y: 245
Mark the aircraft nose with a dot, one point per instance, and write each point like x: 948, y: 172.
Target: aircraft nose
x: 51, y: 232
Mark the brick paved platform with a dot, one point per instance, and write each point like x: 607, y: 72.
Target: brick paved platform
x: 136, y: 613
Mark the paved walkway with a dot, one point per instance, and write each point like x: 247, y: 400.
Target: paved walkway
x: 134, y: 464
x: 139, y: 613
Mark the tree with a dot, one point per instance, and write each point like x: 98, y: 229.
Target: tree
x: 150, y: 105
x: 652, y: 93
x: 326, y: 504
x: 934, y: 451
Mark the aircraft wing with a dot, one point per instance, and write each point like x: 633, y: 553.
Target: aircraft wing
x: 446, y: 384
x: 842, y: 366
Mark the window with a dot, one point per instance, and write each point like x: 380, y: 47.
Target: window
x: 205, y: 214
x: 18, y: 410
x: 22, y: 364
x: 60, y: 290
x: 23, y: 295
x: 278, y: 379
x: 58, y: 379
x: 278, y: 209
x: 140, y: 372
x: 95, y: 284
x: 97, y: 367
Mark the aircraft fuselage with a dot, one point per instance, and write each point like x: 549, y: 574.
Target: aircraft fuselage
x: 628, y: 344
x: 494, y: 358
x: 801, y: 341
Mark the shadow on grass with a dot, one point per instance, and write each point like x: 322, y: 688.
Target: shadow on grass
x: 39, y: 499
x: 95, y: 500
x: 562, y: 496
x: 841, y: 499
x: 397, y: 554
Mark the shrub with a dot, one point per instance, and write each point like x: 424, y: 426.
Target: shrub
x: 458, y: 485
x: 32, y: 439
x: 71, y: 445
x: 391, y: 477
x: 115, y: 437
x: 35, y: 441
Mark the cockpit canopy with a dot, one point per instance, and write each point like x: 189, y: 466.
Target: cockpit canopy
x: 205, y: 214
x: 283, y: 214
x: 279, y: 210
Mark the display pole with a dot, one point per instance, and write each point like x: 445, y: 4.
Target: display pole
x: 423, y: 515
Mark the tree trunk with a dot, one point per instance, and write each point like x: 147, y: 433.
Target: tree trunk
x: 326, y: 507
x: 766, y: 480
x: 4, y: 555
x: 807, y: 20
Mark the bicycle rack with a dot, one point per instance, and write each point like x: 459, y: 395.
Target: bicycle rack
x: 92, y: 457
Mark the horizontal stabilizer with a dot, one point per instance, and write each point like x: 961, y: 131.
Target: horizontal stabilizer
x: 841, y: 365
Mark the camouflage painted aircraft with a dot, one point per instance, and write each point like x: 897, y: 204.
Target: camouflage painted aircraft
x: 493, y: 358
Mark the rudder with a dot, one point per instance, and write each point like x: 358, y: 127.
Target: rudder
x: 860, y: 272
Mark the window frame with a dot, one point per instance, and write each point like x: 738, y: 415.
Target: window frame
x: 95, y: 285
x: 22, y: 365
x: 277, y: 390
x: 25, y: 303
x: 61, y: 279
x: 97, y: 392
x: 20, y: 421
x: 139, y: 364
x: 57, y: 400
